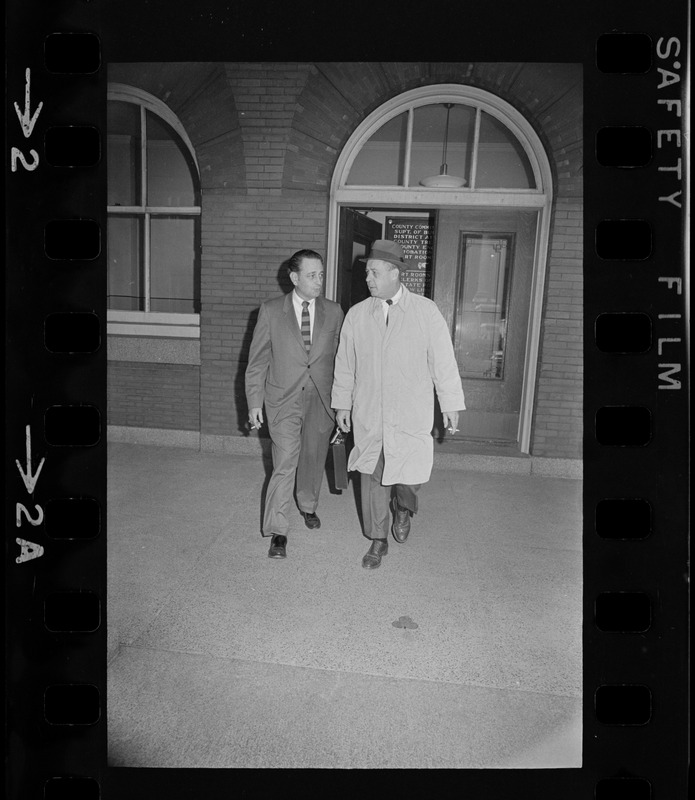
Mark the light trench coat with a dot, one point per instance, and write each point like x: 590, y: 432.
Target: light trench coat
x: 386, y: 375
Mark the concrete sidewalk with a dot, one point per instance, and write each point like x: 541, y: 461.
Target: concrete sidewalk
x: 462, y: 650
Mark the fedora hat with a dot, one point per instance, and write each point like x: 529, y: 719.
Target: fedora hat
x: 386, y: 250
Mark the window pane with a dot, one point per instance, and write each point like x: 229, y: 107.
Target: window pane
x: 427, y: 149
x: 125, y: 256
x: 502, y: 162
x: 381, y: 160
x: 169, y: 179
x: 123, y: 154
x: 481, y: 308
x: 172, y: 272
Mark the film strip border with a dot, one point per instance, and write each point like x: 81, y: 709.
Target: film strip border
x: 56, y: 401
x: 636, y: 500
x: 636, y: 451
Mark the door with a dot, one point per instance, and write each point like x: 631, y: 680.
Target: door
x: 357, y: 232
x: 483, y: 273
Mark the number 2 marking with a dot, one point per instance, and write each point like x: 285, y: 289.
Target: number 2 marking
x: 22, y: 509
x: 18, y: 155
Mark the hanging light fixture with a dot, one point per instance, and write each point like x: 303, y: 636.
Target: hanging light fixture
x: 444, y: 180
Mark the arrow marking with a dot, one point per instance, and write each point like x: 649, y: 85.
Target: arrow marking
x: 29, y: 478
x: 26, y: 120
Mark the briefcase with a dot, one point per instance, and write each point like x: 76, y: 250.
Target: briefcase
x: 339, y: 455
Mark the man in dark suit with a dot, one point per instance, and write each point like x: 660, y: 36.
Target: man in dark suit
x: 290, y: 371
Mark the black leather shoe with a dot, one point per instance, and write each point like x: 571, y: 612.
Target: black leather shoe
x: 311, y: 520
x: 401, y: 522
x: 372, y: 558
x: 278, y: 545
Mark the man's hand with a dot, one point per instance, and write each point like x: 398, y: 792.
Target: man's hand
x: 255, y: 417
x: 451, y: 420
x: 342, y: 418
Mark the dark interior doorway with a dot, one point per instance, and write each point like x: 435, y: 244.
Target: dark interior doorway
x: 357, y: 232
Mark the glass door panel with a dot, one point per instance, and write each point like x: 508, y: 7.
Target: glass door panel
x: 480, y: 323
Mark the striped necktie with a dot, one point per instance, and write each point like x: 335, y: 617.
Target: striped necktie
x: 388, y: 303
x: 306, y: 325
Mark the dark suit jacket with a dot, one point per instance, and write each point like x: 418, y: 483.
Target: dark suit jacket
x: 279, y: 365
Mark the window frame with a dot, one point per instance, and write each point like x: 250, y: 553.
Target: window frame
x: 407, y: 103
x: 147, y: 322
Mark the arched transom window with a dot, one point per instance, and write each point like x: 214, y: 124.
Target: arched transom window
x: 461, y: 142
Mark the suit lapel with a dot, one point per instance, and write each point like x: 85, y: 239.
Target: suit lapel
x: 319, y: 318
x: 291, y: 319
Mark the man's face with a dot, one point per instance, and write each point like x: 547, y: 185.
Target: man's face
x: 383, y: 279
x: 308, y: 281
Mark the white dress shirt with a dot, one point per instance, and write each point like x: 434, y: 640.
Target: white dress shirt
x: 394, y: 300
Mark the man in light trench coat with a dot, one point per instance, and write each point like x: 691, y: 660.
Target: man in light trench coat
x: 394, y: 348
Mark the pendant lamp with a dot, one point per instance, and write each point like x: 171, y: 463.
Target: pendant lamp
x: 444, y: 180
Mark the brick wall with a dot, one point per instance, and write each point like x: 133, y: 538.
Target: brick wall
x: 247, y: 236
x: 557, y: 428
x: 153, y: 395
x: 558, y: 415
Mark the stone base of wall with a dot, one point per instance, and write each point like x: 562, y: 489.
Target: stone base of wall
x: 161, y: 437
x: 259, y: 447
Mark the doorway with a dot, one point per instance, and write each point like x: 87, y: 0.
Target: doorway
x: 357, y: 232
x: 479, y: 272
x: 412, y: 228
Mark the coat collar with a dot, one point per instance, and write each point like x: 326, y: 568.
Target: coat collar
x: 377, y: 302
x: 396, y: 313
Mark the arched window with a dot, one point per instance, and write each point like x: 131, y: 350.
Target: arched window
x: 153, y: 218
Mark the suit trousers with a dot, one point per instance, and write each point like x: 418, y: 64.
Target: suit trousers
x: 299, y: 437
x: 376, y: 499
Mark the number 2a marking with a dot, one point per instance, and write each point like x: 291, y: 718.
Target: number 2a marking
x: 22, y: 509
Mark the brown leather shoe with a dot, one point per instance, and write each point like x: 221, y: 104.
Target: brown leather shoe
x: 372, y: 558
x: 401, y: 522
x: 278, y: 545
x: 311, y: 520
